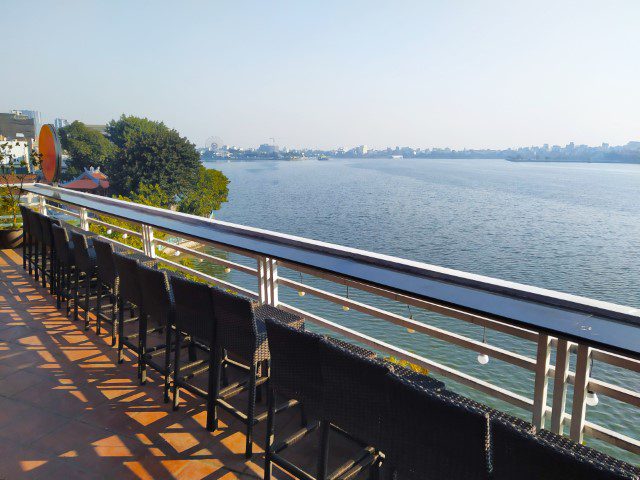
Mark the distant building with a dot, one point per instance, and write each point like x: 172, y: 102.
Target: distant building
x: 17, y: 126
x: 633, y: 146
x: 33, y: 114
x: 269, y: 149
x: 60, y: 122
x: 92, y: 180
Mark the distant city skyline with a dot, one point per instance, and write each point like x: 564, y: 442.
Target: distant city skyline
x: 460, y: 74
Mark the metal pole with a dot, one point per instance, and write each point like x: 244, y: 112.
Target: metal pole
x: 541, y: 383
x: 560, y: 386
x: 580, y: 385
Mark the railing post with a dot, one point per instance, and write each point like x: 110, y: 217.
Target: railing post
x: 148, y: 243
x: 541, y: 383
x: 560, y: 386
x: 580, y: 385
x: 273, y: 284
x: 84, y: 218
x: 268, y: 281
x: 42, y: 204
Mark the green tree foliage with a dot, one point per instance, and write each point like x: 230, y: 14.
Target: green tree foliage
x: 86, y: 148
x: 152, y: 195
x: 151, y: 153
x: 208, y: 194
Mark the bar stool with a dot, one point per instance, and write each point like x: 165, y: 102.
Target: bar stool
x: 48, y: 251
x: 241, y: 334
x: 65, y: 264
x: 85, y: 272
x: 35, y: 232
x: 26, y: 238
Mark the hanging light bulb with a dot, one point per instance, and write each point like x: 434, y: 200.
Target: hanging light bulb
x: 344, y: 307
x: 200, y: 260
x: 177, y: 253
x: 227, y: 270
x: 301, y: 293
x: 483, y: 358
x: 592, y: 398
x: 125, y: 235
x: 109, y: 231
x: 410, y: 330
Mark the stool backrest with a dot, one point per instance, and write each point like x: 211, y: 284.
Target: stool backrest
x: 353, y: 392
x: 236, y: 329
x: 45, y: 225
x: 517, y: 453
x: 82, y: 252
x: 427, y: 434
x: 63, y: 245
x: 193, y: 309
x: 157, y: 297
x: 35, y: 229
x: 127, y: 269
x: 107, y: 272
x: 295, y: 364
x: 24, y: 212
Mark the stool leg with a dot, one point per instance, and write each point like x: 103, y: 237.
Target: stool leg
x: 99, y: 308
x: 87, y: 294
x: 120, y: 331
x: 114, y: 318
x: 251, y: 411
x: 176, y: 374
x: 271, y: 409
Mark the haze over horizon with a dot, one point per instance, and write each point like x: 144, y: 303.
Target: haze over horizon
x: 461, y: 74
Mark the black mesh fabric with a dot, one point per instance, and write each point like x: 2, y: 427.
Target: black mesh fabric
x: 429, y: 435
x: 107, y: 272
x: 353, y: 389
x: 85, y: 256
x: 64, y: 247
x: 157, y: 299
x: 520, y: 454
x: 127, y: 269
x: 193, y: 308
x: 295, y: 364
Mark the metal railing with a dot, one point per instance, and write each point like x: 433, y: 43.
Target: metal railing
x: 549, y: 365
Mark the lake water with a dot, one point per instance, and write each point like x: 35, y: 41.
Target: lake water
x: 567, y: 227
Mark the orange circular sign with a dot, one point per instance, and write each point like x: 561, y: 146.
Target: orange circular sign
x: 49, y: 146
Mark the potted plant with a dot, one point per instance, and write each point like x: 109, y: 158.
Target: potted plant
x: 13, y: 175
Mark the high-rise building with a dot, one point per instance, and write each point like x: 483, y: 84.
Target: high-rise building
x: 60, y: 122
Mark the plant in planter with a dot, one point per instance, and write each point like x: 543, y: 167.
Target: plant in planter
x: 13, y: 175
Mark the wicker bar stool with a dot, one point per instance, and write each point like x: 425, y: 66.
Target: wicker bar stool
x: 35, y: 231
x: 353, y: 404
x: 518, y: 453
x: 65, y: 265
x: 430, y: 435
x: 85, y: 274
x: 157, y: 314
x: 195, y: 328
x: 241, y: 334
x: 48, y: 251
x: 295, y: 375
x: 26, y: 238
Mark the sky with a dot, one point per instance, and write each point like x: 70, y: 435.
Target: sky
x: 324, y: 74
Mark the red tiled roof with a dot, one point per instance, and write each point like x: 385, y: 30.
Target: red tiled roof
x: 83, y: 184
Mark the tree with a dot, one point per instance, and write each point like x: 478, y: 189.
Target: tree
x: 86, y: 148
x: 209, y: 193
x: 151, y: 153
x: 152, y: 195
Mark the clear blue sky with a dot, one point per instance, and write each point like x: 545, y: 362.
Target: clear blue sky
x: 332, y: 73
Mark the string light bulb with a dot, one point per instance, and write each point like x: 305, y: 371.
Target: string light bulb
x: 483, y: 358
x: 227, y: 270
x: 410, y: 330
x: 125, y: 235
x: 301, y: 293
x: 344, y: 307
x: 177, y: 253
x: 109, y: 231
x: 592, y: 398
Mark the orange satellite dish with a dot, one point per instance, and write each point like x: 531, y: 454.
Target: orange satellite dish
x: 49, y: 146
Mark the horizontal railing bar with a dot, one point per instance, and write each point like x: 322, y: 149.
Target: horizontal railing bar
x: 610, y: 436
x: 210, y: 258
x: 462, y: 341
x: 431, y: 306
x: 617, y: 360
x: 460, y: 377
x: 66, y: 212
x: 115, y: 227
x: 209, y: 278
x: 221, y: 246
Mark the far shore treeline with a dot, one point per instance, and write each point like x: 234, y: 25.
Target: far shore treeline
x: 147, y: 161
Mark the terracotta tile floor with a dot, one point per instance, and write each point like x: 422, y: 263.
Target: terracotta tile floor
x: 68, y: 410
